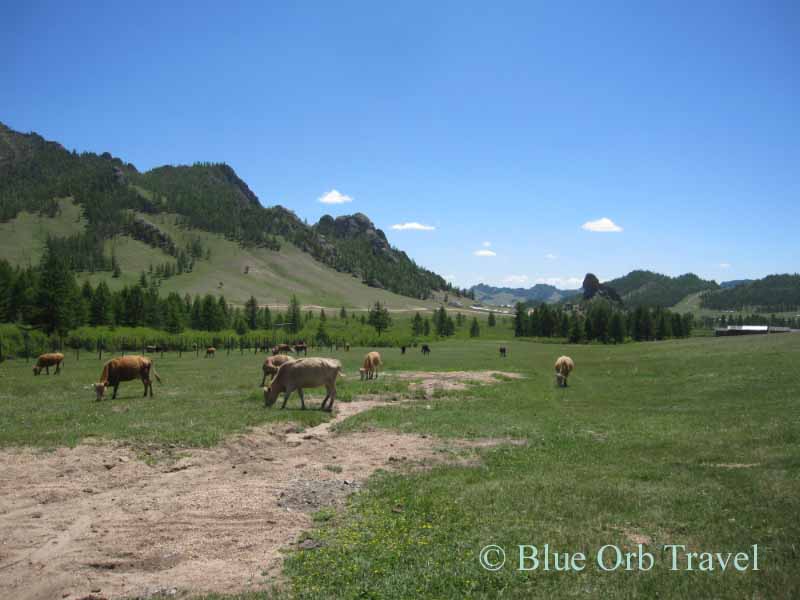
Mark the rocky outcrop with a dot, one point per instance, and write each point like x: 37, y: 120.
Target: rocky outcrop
x: 592, y: 288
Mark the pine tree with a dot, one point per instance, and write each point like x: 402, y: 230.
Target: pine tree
x: 58, y: 294
x: 426, y: 327
x: 266, y: 318
x: 240, y: 324
x: 564, y: 326
x: 416, y: 325
x: 343, y: 313
x: 520, y: 319
x: 576, y: 329
x: 321, y: 336
x: 492, y: 321
x: 474, y: 329
x: 617, y: 328
x: 294, y: 316
x: 251, y: 313
x: 379, y: 317
x: 115, y: 269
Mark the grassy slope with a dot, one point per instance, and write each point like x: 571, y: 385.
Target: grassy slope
x: 691, y: 303
x: 273, y: 276
x: 22, y: 239
x: 634, y: 446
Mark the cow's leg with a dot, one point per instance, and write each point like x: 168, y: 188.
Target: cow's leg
x: 263, y: 379
x: 302, y: 400
x: 114, y: 395
x: 47, y: 369
x: 286, y: 397
x: 331, y: 397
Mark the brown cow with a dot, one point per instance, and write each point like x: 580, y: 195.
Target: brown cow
x: 45, y: 361
x: 372, y: 361
x: 564, y: 366
x: 301, y: 347
x: 211, y: 352
x: 126, y: 368
x: 281, y: 349
x: 272, y: 364
x: 305, y: 373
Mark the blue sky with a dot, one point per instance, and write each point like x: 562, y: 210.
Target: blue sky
x: 511, y: 125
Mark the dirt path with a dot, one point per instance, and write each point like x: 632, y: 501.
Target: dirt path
x: 95, y: 520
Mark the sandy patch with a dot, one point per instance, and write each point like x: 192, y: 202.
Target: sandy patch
x: 97, y: 520
x: 431, y: 381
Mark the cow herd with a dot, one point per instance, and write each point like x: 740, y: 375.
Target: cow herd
x: 286, y: 374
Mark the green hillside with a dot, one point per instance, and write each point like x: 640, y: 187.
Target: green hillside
x: 271, y: 276
x: 646, y: 288
x: 774, y: 293
x: 149, y: 218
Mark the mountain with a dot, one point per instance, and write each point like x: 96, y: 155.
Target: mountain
x: 733, y: 283
x: 592, y: 288
x: 646, y: 288
x: 774, y: 293
x: 540, y: 292
x: 117, y: 201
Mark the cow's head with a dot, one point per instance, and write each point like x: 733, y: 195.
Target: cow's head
x: 270, y: 395
x: 100, y: 389
x: 37, y: 369
x: 560, y: 379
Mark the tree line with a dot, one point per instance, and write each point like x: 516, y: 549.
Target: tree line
x: 601, y: 321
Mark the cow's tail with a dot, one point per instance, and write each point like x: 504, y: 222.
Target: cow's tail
x: 104, y: 376
x: 339, y: 372
x: 153, y: 369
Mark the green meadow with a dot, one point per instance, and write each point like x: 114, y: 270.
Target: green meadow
x: 688, y: 442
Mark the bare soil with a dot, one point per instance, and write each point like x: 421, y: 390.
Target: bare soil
x: 96, y: 521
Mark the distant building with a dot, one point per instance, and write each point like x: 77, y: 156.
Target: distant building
x: 749, y: 330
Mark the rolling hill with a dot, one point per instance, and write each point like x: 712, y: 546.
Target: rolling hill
x: 201, y: 223
x: 774, y: 293
x: 505, y: 295
x: 646, y: 288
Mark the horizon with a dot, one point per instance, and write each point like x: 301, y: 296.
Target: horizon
x: 499, y: 148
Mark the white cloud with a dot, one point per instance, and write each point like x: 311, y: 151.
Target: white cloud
x: 450, y: 278
x: 515, y: 279
x: 486, y: 244
x: 413, y: 226
x: 334, y: 197
x: 562, y: 283
x: 604, y: 225
x: 724, y: 265
x: 485, y: 253
x: 551, y: 256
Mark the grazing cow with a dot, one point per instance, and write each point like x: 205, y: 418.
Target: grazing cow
x: 564, y: 366
x: 126, y: 368
x: 372, y: 360
x: 211, y: 352
x: 281, y: 349
x: 45, y: 361
x: 304, y: 373
x: 503, y: 351
x: 402, y: 349
x: 272, y: 364
x: 301, y: 347
x: 426, y: 349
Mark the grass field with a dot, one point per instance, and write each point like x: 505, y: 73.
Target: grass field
x: 693, y: 442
